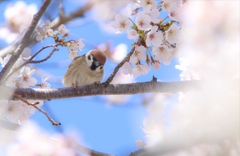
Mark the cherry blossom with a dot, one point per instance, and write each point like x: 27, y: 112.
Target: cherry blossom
x: 172, y: 34
x: 41, y: 34
x: 45, y: 84
x: 148, y: 3
x: 156, y: 64
x: 5, y: 60
x: 26, y: 77
x: 162, y: 53
x: 126, y: 68
x: 170, y: 5
x: 154, y: 37
x: 143, y: 21
x: 62, y: 30
x: 141, y: 69
x: 176, y: 14
x: 44, y: 31
x: 57, y: 144
x: 26, y: 53
x: 75, y: 45
x: 121, y: 23
x: 138, y: 54
x: 132, y: 34
x: 153, y: 13
x: 72, y: 54
x: 16, y: 24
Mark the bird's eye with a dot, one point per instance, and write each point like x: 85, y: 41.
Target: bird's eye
x: 89, y: 57
x: 101, y: 68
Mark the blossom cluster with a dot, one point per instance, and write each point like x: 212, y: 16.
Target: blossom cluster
x: 157, y: 37
x: 15, y: 25
x: 38, y: 142
x: 59, y: 36
x: 193, y: 119
x: 18, y: 111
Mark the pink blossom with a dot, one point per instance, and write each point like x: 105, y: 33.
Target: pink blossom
x: 138, y: 54
x: 121, y: 23
x: 141, y: 69
x: 172, y: 34
x: 143, y: 21
x: 132, y: 34
x: 154, y: 37
x: 126, y: 68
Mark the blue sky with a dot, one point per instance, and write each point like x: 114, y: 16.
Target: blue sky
x: 101, y: 126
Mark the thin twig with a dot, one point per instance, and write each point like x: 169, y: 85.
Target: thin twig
x: 79, y: 12
x: 39, y: 109
x: 110, y: 78
x: 24, y: 42
x: 30, y: 60
x: 46, y: 58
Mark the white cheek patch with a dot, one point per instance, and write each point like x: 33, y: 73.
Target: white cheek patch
x: 89, y: 62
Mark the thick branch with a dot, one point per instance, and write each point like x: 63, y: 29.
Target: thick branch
x: 24, y: 41
x: 112, y: 89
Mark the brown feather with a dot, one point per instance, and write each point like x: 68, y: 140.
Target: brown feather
x: 100, y: 56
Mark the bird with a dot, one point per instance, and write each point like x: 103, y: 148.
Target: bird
x: 86, y: 69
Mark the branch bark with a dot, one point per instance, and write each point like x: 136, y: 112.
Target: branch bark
x: 112, y: 89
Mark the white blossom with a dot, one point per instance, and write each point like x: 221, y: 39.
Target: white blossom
x: 143, y: 21
x: 72, y: 54
x: 5, y: 60
x: 154, y: 37
x: 148, y: 3
x: 141, y: 69
x: 18, y: 16
x: 154, y: 14
x: 44, y: 31
x: 75, y: 45
x: 169, y: 5
x: 162, y: 53
x: 126, y: 68
x: 44, y: 83
x: 138, y: 54
x: 172, y: 34
x: 62, y: 30
x: 121, y: 23
x: 26, y: 77
x: 132, y: 34
x: 26, y: 53
x: 156, y: 64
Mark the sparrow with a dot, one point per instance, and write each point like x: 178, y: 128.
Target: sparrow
x: 85, y: 69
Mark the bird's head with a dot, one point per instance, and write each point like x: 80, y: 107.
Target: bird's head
x: 95, y: 59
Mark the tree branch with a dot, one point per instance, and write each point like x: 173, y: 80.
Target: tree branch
x: 63, y: 19
x: 39, y: 109
x: 30, y: 60
x: 110, y: 78
x: 24, y: 41
x: 112, y: 89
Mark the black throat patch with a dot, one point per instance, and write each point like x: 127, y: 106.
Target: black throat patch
x: 95, y: 64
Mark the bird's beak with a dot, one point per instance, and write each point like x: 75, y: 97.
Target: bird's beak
x: 96, y: 63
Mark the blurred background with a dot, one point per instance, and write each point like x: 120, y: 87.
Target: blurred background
x: 110, y: 124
